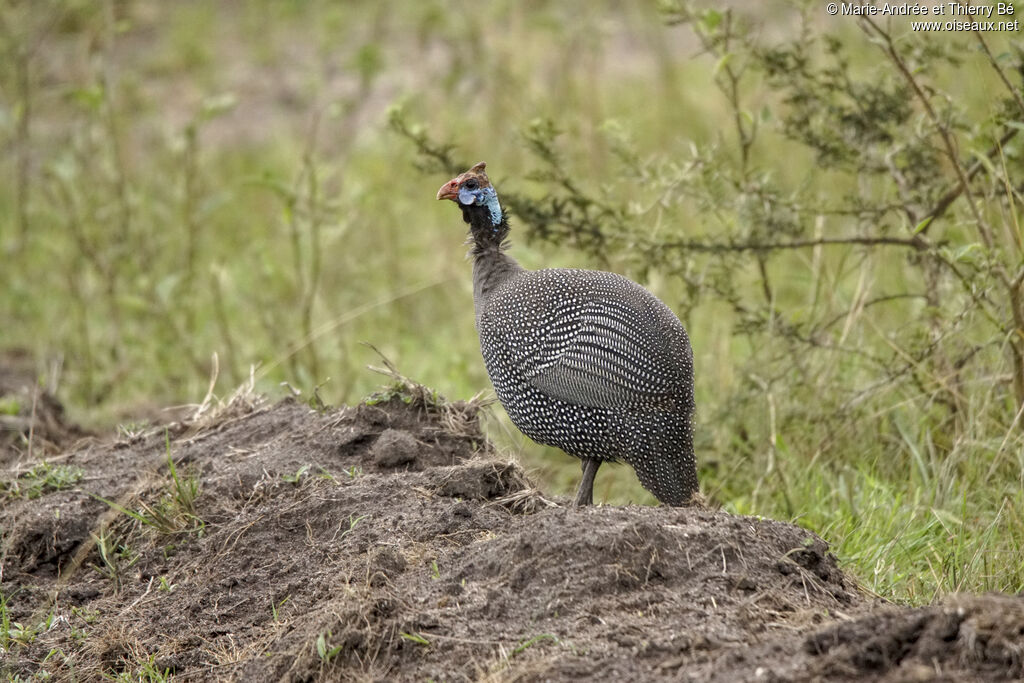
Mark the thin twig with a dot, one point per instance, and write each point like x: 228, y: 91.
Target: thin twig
x: 916, y: 242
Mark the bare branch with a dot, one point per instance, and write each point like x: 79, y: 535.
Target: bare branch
x: 916, y: 242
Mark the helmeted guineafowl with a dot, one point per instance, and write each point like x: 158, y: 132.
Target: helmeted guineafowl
x: 583, y: 360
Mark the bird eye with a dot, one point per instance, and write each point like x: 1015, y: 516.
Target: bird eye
x: 471, y: 184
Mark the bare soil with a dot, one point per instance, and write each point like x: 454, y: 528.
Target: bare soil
x: 387, y: 541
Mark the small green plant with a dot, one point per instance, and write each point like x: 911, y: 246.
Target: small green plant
x: 115, y: 558
x: 533, y: 641
x: 352, y: 522
x: 297, y: 477
x: 435, y: 573
x: 183, y: 492
x: 303, y: 471
x: 9, y: 406
x: 416, y: 638
x: 390, y: 392
x: 401, y: 387
x: 42, y: 674
x: 324, y: 650
x: 166, y: 586
x: 22, y: 634
x: 42, y: 478
x: 16, y: 632
x: 130, y: 431
x: 86, y: 614
x: 315, y: 401
x: 147, y: 672
x: 274, y: 608
x: 354, y: 471
x: 175, y: 512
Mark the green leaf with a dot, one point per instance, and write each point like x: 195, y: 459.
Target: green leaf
x: 721, y: 64
x: 216, y: 105
x: 710, y: 20
x: 9, y: 406
x: 966, y: 253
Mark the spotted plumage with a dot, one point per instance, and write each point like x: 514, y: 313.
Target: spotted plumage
x: 583, y: 360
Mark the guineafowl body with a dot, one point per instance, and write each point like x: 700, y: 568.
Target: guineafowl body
x: 583, y: 360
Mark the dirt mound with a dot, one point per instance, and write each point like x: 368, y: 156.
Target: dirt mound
x: 388, y: 542
x: 599, y: 592
x: 968, y: 638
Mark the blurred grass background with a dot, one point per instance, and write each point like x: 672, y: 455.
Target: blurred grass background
x: 188, y: 178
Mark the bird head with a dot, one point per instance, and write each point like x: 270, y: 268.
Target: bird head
x: 473, y: 189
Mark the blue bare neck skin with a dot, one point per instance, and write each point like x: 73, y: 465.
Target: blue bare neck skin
x: 488, y: 227
x: 486, y: 196
x: 493, y: 207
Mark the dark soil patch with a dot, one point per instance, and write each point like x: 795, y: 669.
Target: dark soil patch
x: 387, y: 542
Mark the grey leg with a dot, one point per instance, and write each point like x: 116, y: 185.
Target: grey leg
x: 585, y: 493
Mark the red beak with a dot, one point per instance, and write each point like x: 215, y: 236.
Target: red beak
x: 449, y: 190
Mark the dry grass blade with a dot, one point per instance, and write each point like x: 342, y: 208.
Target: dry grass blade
x: 212, y: 411
x: 525, y: 501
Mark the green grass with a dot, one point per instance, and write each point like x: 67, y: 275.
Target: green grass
x: 145, y: 671
x: 13, y: 633
x: 175, y: 511
x: 416, y: 638
x: 42, y: 478
x: 116, y: 557
x: 530, y: 642
x: 5, y: 624
x: 214, y: 181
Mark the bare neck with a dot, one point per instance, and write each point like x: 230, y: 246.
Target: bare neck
x: 491, y: 265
